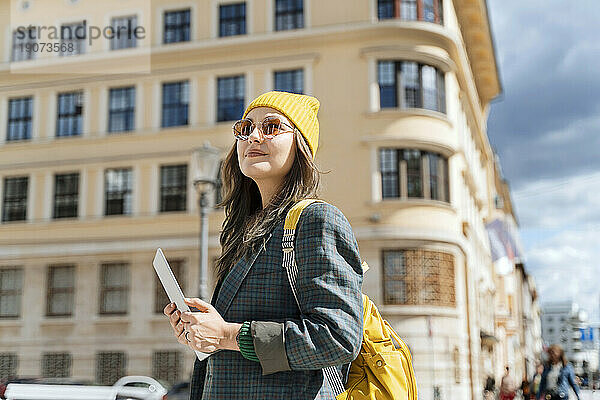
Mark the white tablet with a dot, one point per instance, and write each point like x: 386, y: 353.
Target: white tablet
x: 161, y: 266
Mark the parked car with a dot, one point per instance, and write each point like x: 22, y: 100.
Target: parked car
x: 126, y: 388
x: 179, y: 391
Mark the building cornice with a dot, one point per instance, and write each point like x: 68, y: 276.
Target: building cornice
x: 474, y: 21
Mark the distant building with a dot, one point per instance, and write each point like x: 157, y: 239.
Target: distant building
x: 565, y: 324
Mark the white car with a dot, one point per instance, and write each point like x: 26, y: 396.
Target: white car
x: 126, y: 388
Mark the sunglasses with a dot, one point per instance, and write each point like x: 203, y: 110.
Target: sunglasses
x: 269, y: 128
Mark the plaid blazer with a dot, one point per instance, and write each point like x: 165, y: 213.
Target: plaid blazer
x: 327, y: 331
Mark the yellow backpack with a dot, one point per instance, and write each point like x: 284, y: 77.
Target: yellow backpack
x: 383, y: 368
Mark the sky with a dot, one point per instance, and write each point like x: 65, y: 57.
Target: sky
x: 545, y: 126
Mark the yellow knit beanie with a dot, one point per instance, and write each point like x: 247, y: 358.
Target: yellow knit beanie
x: 299, y: 108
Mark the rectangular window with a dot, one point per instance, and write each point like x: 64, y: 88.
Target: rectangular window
x: 167, y: 366
x: 118, y: 191
x: 394, y: 266
x: 289, y: 81
x: 411, y: 10
x: 388, y: 164
x: 22, y: 44
x: 411, y: 84
x: 403, y: 174
x: 414, y: 175
x: 438, y: 177
x: 408, y: 84
x: 123, y: 32
x: 61, y: 290
x: 20, y: 112
x: 175, y: 101
x: 173, y: 188
x: 14, y: 207
x: 418, y: 277
x: 289, y: 14
x: 114, y: 288
x: 121, y: 109
x: 56, y: 365
x: 160, y: 296
x: 66, y: 193
x: 388, y: 88
x: 230, y: 98
x: 70, y: 114
x: 9, y: 363
x: 176, y: 26
x: 385, y: 9
x: 408, y: 10
x: 11, y: 285
x: 429, y: 11
x: 72, y: 39
x: 232, y: 19
x: 110, y: 366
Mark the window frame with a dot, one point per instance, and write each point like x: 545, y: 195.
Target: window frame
x: 48, y: 365
x: 180, y: 103
x: 293, y: 12
x: 125, y: 192
x: 79, y: 44
x: 402, y: 89
x: 23, y: 118
x: 290, y: 71
x: 243, y: 29
x: 182, y: 189
x: 118, y: 42
x: 16, y: 56
x: 51, y: 291
x: 420, y: 5
x: 122, y: 287
x: 416, y: 277
x: 73, y: 196
x: 172, y: 372
x: 76, y: 114
x: 403, y: 181
x: 128, y: 110
x: 9, y: 364
x: 21, y: 200
x: 224, y: 113
x: 103, y: 373
x: 177, y: 26
x: 17, y: 292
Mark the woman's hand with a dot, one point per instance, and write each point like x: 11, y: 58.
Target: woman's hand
x: 174, y: 314
x: 208, y: 331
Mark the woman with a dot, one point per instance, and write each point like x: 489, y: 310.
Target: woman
x: 534, y: 388
x: 264, y: 346
x: 558, y: 375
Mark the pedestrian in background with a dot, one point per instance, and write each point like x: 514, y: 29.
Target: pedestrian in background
x: 507, y: 386
x: 558, y: 375
x: 489, y: 392
x: 535, y: 381
x: 264, y: 346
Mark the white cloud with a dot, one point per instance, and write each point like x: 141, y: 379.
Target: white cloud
x: 565, y: 267
x: 560, y: 203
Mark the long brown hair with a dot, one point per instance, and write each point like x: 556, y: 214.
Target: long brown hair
x: 246, y: 222
x: 561, y: 354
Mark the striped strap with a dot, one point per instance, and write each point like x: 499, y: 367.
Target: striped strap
x: 289, y: 263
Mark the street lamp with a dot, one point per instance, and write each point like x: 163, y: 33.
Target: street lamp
x: 205, y: 169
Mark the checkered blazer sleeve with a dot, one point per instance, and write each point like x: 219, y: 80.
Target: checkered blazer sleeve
x: 329, y: 292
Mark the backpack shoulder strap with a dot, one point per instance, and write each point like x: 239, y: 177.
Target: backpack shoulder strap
x: 289, y: 264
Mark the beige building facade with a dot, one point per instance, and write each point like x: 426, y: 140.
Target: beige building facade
x: 96, y: 142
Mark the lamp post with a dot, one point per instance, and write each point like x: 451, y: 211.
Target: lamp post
x: 205, y: 167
